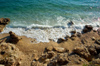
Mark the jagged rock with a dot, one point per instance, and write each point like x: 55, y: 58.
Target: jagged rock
x: 79, y: 34
x: 43, y: 58
x: 71, y: 23
x: 49, y: 48
x: 60, y: 49
x: 10, y: 55
x: 60, y: 40
x: 96, y: 61
x: 87, y: 28
x: 76, y: 59
x: 50, y: 54
x: 3, y: 23
x: 62, y: 59
x: 91, y: 49
x: 36, y: 63
x: 83, y: 51
x: 13, y: 37
x: 98, y: 41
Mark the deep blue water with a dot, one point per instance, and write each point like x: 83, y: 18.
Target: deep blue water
x: 49, y: 12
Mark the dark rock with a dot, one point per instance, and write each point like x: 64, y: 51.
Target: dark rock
x: 92, y: 49
x: 87, y: 28
x: 14, y: 38
x: 98, y: 41
x: 60, y: 40
x: 73, y: 32
x: 50, y: 54
x: 79, y: 34
x: 71, y: 23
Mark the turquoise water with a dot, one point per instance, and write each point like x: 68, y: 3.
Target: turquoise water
x: 49, y: 13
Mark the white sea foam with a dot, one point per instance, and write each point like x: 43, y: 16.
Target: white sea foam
x: 43, y: 35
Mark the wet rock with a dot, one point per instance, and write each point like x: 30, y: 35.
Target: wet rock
x: 83, y: 51
x: 49, y: 48
x: 73, y: 32
x: 3, y: 23
x: 59, y: 49
x: 87, y: 28
x: 13, y: 37
x: 71, y: 23
x: 60, y: 40
x: 79, y: 34
x: 10, y: 55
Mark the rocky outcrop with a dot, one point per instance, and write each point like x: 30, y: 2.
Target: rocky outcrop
x: 10, y: 55
x: 3, y: 23
x: 87, y: 28
x: 83, y: 51
x: 14, y: 38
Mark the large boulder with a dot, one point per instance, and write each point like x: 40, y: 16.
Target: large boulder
x: 87, y: 28
x: 13, y: 37
x: 3, y: 23
x: 10, y: 55
x: 83, y: 52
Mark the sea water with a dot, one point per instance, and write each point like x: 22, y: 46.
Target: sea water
x: 48, y: 19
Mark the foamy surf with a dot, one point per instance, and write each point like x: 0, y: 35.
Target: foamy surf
x: 50, y: 33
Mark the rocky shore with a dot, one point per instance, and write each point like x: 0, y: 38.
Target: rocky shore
x: 81, y: 49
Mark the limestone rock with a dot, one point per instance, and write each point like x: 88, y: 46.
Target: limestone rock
x: 76, y: 59
x: 3, y: 23
x: 59, y: 49
x: 10, y: 55
x: 49, y: 48
x: 96, y: 61
x: 98, y: 41
x: 83, y: 51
